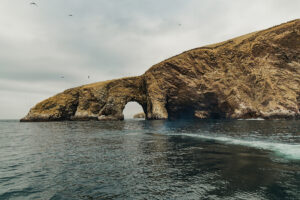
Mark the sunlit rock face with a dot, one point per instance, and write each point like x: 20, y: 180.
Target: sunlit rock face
x: 253, y: 76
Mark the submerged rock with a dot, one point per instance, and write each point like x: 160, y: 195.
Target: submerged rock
x: 139, y: 116
x: 253, y: 76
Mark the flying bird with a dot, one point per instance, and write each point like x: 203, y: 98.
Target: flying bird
x: 70, y: 15
x: 88, y: 77
x: 33, y: 3
x: 62, y: 77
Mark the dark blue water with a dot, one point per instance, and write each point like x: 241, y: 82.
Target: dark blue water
x: 150, y: 160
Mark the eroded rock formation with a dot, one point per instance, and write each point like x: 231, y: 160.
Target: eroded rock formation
x: 255, y: 75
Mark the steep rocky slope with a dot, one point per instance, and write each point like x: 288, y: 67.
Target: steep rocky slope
x: 255, y: 75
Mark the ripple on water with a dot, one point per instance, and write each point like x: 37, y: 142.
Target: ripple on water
x: 150, y: 160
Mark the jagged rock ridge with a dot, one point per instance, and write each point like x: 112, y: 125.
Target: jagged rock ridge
x: 255, y: 75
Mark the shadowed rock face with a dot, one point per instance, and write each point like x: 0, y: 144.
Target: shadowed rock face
x: 255, y: 75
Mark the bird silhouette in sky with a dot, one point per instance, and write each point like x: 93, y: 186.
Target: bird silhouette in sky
x: 62, y: 77
x: 33, y: 4
x: 88, y: 77
x: 70, y: 15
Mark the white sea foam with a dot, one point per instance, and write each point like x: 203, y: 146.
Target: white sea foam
x: 290, y: 151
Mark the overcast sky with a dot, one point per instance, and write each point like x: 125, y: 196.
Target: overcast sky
x: 107, y: 39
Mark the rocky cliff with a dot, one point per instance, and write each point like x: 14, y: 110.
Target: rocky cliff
x: 255, y: 75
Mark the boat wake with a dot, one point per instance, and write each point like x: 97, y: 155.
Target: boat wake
x: 289, y: 151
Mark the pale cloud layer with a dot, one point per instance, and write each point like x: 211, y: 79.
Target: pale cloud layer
x: 107, y: 39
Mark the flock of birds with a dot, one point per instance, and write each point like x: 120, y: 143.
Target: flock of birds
x: 35, y: 4
x: 70, y: 15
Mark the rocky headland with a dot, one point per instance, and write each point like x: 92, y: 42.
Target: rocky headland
x: 253, y: 76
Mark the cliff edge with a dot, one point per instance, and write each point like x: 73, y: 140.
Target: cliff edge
x: 255, y: 75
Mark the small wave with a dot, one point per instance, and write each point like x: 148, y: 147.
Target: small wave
x: 289, y: 151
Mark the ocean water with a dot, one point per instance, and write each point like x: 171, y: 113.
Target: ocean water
x: 138, y: 159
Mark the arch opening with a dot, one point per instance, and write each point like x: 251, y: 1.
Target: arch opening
x: 132, y: 108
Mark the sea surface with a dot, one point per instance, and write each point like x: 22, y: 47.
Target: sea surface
x: 138, y: 159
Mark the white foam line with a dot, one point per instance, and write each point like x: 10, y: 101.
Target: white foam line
x: 290, y: 151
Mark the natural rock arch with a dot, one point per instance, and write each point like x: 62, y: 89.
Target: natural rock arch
x: 99, y: 101
x: 115, y: 95
x: 132, y: 108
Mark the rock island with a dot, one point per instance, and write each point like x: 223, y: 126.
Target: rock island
x: 252, y: 76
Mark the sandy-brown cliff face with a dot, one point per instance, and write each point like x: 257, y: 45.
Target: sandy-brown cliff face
x: 255, y: 75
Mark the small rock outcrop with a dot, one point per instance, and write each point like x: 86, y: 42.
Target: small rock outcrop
x: 253, y: 76
x: 139, y: 116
